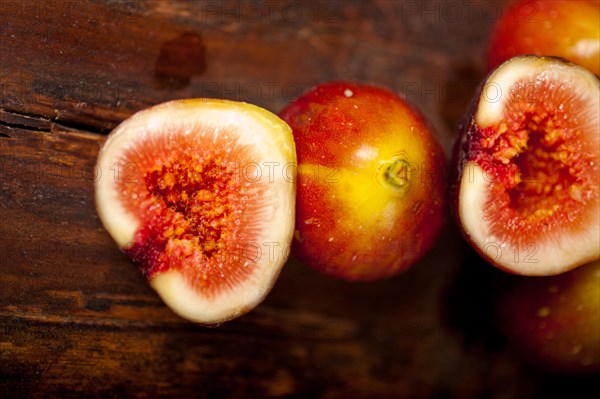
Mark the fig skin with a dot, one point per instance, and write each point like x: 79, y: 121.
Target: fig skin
x: 371, y: 192
x: 463, y: 163
x: 198, y: 282
x: 554, y: 322
x: 563, y: 28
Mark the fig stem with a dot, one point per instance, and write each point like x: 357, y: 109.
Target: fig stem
x: 397, y: 174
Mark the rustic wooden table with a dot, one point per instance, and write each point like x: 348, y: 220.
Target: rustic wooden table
x: 78, y: 320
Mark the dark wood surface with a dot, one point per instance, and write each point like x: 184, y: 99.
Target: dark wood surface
x: 77, y: 319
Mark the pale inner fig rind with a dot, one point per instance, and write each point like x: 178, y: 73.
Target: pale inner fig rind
x: 270, y: 138
x: 497, y: 88
x: 550, y: 252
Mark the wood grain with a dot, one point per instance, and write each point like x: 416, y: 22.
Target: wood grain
x: 76, y: 317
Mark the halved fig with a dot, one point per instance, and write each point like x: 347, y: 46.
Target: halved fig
x: 200, y: 194
x: 527, y: 192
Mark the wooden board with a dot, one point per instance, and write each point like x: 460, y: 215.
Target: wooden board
x: 78, y: 320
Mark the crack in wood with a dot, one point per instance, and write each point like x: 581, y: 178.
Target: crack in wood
x: 11, y: 119
x: 324, y: 334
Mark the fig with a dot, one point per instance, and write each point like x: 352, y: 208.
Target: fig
x: 526, y: 193
x: 563, y: 28
x: 554, y: 322
x: 371, y: 195
x: 200, y: 194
